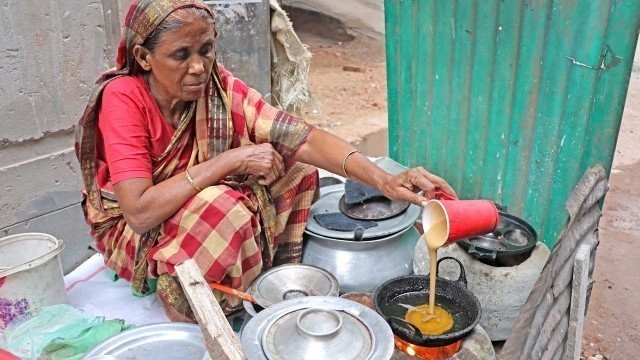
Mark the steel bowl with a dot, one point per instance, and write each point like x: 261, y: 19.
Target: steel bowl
x: 290, y: 281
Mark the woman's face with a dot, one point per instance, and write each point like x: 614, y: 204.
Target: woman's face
x: 181, y: 63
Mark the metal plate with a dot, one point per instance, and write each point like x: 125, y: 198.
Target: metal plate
x: 161, y: 341
x: 329, y: 203
x: 252, y: 334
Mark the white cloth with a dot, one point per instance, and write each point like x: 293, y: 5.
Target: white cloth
x: 90, y: 288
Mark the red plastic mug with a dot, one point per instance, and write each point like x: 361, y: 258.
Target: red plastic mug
x: 464, y: 218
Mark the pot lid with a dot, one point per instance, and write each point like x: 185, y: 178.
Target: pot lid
x: 290, y: 281
x: 317, y: 327
x: 329, y: 203
x: 303, y: 333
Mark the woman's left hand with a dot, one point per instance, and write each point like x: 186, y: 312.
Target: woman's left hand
x: 406, y: 185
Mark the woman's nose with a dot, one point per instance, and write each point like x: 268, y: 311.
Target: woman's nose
x: 196, y: 66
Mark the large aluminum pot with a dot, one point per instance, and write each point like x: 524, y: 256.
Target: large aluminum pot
x: 362, y: 266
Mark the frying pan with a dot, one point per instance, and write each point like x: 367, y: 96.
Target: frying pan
x: 509, y: 245
x: 452, y: 295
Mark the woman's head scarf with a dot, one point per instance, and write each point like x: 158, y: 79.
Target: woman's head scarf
x: 142, y: 19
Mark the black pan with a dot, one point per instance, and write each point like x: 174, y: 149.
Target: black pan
x: 380, y: 208
x: 413, y: 290
x: 509, y: 245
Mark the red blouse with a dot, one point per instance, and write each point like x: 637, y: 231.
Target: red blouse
x: 131, y: 131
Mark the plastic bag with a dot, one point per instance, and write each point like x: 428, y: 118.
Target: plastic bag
x: 74, y: 348
x: 28, y: 335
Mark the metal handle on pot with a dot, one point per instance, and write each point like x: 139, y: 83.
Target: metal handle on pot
x: 462, y: 278
x: 405, y: 322
x: 358, y: 233
x: 317, y: 326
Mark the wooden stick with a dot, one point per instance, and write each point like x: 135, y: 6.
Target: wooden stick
x: 219, y: 338
x: 578, y: 301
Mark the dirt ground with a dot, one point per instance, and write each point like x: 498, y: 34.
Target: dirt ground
x: 348, y: 80
x: 612, y: 327
x: 348, y: 76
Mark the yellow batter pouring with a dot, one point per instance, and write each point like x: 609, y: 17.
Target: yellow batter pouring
x: 429, y: 318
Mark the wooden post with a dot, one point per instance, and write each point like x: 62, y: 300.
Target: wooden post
x: 578, y: 301
x: 219, y: 338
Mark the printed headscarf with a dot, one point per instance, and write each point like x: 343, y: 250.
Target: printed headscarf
x: 142, y: 19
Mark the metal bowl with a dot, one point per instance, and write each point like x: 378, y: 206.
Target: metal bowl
x: 291, y: 281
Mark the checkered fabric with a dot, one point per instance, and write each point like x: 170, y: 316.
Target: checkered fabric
x: 234, y: 229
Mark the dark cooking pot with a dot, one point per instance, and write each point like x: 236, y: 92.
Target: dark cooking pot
x: 413, y: 290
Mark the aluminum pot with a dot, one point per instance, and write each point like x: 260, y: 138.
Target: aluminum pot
x: 362, y: 266
x: 317, y: 327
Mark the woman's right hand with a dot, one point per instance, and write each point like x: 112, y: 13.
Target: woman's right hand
x: 260, y: 160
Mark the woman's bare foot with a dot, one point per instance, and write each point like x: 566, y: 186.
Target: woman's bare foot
x: 172, y: 314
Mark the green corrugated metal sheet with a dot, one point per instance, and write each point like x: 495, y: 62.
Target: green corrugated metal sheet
x: 509, y: 100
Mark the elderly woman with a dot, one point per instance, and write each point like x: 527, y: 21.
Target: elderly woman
x: 181, y: 160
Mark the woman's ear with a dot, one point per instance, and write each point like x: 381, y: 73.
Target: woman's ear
x: 141, y: 54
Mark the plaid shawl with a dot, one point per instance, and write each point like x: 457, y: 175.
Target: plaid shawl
x: 245, y: 217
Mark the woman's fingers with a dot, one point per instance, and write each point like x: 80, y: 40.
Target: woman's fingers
x: 278, y: 163
x: 405, y: 186
x: 419, y: 180
x: 408, y: 185
x: 268, y: 175
x: 406, y: 194
x: 439, y: 182
x: 266, y: 163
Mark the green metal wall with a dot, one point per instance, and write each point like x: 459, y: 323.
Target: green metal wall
x: 509, y: 100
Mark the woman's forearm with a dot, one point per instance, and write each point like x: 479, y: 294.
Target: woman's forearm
x: 328, y: 152
x: 145, y: 205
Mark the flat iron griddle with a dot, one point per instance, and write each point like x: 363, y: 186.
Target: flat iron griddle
x: 380, y: 208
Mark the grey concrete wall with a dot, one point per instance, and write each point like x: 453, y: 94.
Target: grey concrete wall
x: 244, y: 41
x: 51, y: 52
